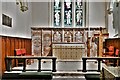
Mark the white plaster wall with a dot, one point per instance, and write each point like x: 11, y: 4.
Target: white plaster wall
x: 21, y: 26
x: 96, y: 14
x: 110, y: 26
x: 40, y: 14
x: 22, y: 21
x: 119, y: 21
x: 97, y: 17
x: 113, y: 29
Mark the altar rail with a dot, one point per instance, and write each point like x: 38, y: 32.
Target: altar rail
x: 8, y: 61
x: 99, y: 59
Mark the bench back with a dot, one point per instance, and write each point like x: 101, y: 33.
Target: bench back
x: 23, y: 51
x: 20, y: 52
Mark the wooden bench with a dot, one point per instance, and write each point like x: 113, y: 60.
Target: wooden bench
x: 21, y: 52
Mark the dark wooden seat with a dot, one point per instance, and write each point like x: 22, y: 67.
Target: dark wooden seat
x: 111, y: 51
x: 28, y: 75
x: 36, y: 75
x: 10, y: 76
x: 18, y: 62
x: 92, y: 76
x: 21, y: 52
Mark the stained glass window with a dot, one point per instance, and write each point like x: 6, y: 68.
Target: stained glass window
x: 67, y: 13
x: 57, y: 13
x: 79, y: 13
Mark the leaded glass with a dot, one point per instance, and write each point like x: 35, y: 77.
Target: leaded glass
x: 57, y: 13
x: 67, y: 13
x: 79, y: 13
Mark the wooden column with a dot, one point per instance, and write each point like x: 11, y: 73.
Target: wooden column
x: 88, y: 47
x: 100, y: 44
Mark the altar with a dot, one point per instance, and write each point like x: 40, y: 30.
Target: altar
x: 68, y: 51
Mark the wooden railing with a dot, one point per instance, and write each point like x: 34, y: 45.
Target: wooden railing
x: 99, y: 59
x: 8, y: 61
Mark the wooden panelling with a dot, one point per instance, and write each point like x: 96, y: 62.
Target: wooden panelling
x: 13, y: 45
x: 16, y: 43
x: 20, y: 43
x: 9, y: 44
x: 23, y: 43
x: 113, y: 41
x: 12, y: 48
x: 0, y: 56
x: 3, y: 53
x: 28, y: 46
x: 8, y: 47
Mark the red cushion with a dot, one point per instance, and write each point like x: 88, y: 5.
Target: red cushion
x: 23, y: 51
x: 18, y: 52
x: 117, y: 52
x: 111, y: 48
